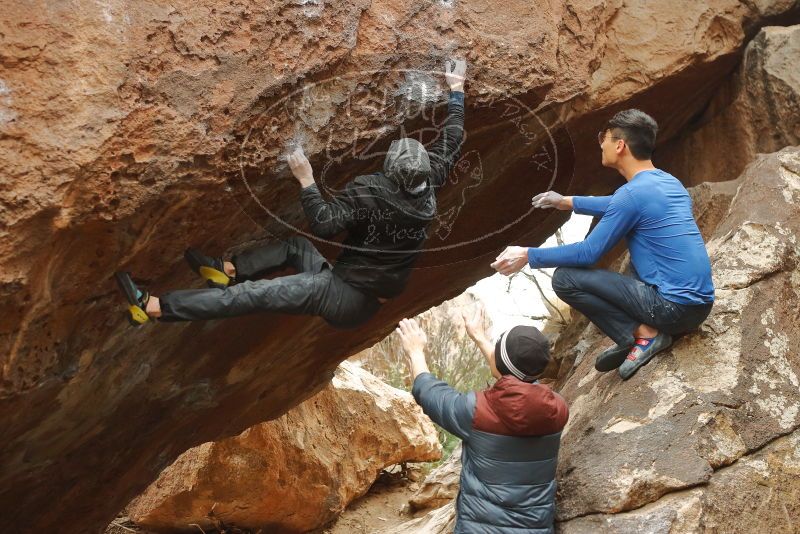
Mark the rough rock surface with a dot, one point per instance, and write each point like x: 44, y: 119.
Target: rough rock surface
x: 758, y: 493
x: 754, y: 111
x: 439, y: 521
x: 129, y: 130
x: 298, y: 472
x: 440, y: 486
x: 718, y: 397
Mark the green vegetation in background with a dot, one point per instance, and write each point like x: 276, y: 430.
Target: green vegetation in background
x: 451, y: 355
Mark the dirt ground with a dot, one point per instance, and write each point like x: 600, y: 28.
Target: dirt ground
x: 383, y: 506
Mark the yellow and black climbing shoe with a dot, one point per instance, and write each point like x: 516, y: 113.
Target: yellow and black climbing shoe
x: 137, y: 299
x: 211, y: 269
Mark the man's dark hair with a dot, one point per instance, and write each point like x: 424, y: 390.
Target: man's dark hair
x: 638, y: 129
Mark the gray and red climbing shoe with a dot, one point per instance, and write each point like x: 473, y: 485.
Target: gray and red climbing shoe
x: 212, y: 270
x: 137, y: 299
x: 612, y: 358
x: 642, y: 352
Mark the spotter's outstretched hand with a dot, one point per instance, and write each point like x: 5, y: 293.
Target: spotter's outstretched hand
x: 474, y: 322
x: 413, y: 339
x: 551, y: 199
x: 412, y: 336
x: 511, y: 260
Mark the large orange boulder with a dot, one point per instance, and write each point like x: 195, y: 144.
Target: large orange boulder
x: 129, y: 130
x: 297, y: 472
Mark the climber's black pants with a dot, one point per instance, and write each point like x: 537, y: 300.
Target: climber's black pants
x: 618, y: 304
x: 315, y: 290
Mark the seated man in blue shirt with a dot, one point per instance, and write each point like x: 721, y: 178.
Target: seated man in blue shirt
x: 672, y: 291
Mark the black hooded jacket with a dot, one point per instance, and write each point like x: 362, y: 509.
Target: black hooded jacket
x: 387, y: 214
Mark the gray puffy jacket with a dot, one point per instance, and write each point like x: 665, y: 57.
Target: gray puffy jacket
x: 511, y: 435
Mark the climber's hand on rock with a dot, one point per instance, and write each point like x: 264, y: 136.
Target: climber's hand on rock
x: 455, y: 73
x: 551, y: 199
x: 511, y: 260
x: 301, y: 168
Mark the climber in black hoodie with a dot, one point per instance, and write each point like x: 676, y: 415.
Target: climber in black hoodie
x: 386, y: 216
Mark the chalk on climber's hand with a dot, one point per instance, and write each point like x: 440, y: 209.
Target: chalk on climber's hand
x: 292, y: 150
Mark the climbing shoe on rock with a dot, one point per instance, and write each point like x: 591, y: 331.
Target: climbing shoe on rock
x: 612, y: 358
x: 137, y: 299
x: 642, y: 352
x: 212, y: 270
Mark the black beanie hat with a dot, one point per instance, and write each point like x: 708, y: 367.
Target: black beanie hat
x: 523, y: 352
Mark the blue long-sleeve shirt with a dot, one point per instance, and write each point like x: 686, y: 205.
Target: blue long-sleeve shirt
x: 653, y: 212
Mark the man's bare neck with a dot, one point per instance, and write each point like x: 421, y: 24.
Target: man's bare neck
x: 632, y: 169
